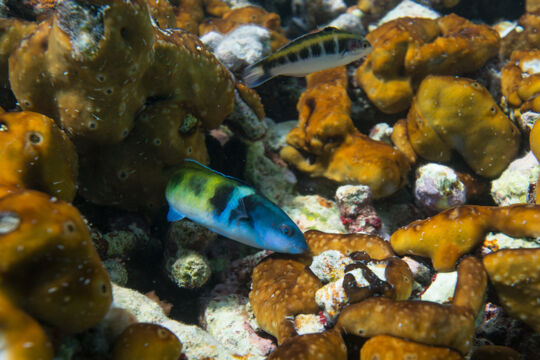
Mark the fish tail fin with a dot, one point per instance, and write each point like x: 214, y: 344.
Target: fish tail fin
x: 255, y: 74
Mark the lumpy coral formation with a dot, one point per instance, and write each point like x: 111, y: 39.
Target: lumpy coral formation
x: 48, y: 264
x: 421, y: 321
x: 23, y: 337
x: 520, y: 80
x: 523, y: 37
x: 295, y: 290
x: 515, y: 275
x: 459, y: 114
x: 250, y: 14
x: 452, y: 233
x: 384, y: 347
x: 405, y: 50
x: 36, y: 154
x: 12, y: 31
x: 145, y: 342
x: 324, y: 346
x: 282, y: 288
x: 374, y: 246
x: 326, y: 144
x: 118, y: 85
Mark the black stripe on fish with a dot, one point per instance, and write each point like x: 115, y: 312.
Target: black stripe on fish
x: 342, y: 45
x: 292, y: 57
x: 304, y: 53
x: 329, y: 46
x: 177, y: 178
x: 269, y: 64
x: 222, y: 196
x: 196, y: 184
x: 316, y: 49
x: 282, y: 60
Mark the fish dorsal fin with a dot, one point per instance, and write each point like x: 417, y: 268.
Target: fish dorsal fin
x: 294, y: 42
x: 328, y: 29
x: 195, y: 163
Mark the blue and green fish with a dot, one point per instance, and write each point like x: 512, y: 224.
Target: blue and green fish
x: 230, y: 208
x: 324, y: 49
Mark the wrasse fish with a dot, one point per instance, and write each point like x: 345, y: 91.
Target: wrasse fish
x: 231, y: 208
x: 308, y: 53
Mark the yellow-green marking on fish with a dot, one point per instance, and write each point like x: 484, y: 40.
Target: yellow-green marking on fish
x: 231, y: 208
x: 324, y: 49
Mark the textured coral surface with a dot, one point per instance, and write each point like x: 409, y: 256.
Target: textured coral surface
x: 407, y: 49
x: 113, y: 78
x: 282, y: 288
x: 146, y: 341
x: 326, y: 143
x: 48, y: 264
x: 459, y: 114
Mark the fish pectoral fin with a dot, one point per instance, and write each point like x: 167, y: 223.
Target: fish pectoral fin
x: 174, y: 215
x: 240, y: 214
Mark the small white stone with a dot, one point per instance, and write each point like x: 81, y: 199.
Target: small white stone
x: 349, y: 22
x: 329, y: 265
x: 212, y: 40
x: 410, y: 9
x: 513, y: 186
x: 308, y: 324
x: 245, y: 45
x: 442, y: 288
x: 381, y: 132
x: 438, y: 187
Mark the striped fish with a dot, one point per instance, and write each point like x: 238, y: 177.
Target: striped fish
x: 231, y: 208
x: 327, y: 48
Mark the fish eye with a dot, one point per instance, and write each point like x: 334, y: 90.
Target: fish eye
x: 286, y: 230
x: 365, y: 44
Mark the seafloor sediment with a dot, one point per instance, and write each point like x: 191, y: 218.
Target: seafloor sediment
x: 413, y: 174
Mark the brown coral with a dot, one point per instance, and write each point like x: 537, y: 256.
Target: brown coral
x: 375, y: 247
x: 520, y: 80
x: 22, y: 336
x: 48, y: 264
x: 328, y: 345
x: 100, y: 76
x: 525, y: 36
x: 452, y: 233
x: 459, y: 114
x: 326, y: 144
x: 146, y: 342
x: 424, y: 322
x: 12, y: 31
x: 36, y: 154
x: 515, y: 273
x: 397, y: 272
x: 407, y: 49
x: 384, y: 347
x: 282, y: 288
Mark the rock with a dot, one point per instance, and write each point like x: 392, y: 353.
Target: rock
x: 243, y: 46
x: 438, y: 187
x: 514, y: 184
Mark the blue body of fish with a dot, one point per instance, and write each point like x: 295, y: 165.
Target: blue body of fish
x: 231, y: 208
